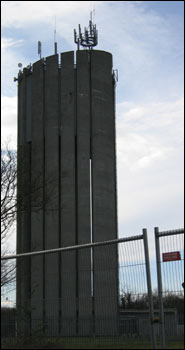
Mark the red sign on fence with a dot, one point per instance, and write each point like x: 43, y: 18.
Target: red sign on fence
x: 172, y: 256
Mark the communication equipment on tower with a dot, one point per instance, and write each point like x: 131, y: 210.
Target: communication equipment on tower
x: 40, y: 49
x: 55, y: 43
x: 20, y: 66
x: 115, y: 76
x: 89, y: 38
x: 19, y: 73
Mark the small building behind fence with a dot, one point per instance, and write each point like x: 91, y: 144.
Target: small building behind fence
x: 135, y: 322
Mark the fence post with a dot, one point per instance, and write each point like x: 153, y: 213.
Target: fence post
x: 160, y: 290
x: 149, y: 286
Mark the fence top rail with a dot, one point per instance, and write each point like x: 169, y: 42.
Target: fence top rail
x: 170, y: 232
x: 70, y: 248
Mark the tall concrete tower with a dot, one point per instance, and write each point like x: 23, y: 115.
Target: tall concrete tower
x: 67, y: 190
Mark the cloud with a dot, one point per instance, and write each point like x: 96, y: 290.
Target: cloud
x: 9, y: 119
x: 9, y: 42
x: 147, y: 50
x: 21, y: 14
x: 148, y: 134
x: 11, y: 56
x: 150, y: 163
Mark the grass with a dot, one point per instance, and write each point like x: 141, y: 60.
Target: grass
x: 83, y: 343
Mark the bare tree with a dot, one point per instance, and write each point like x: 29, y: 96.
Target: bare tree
x: 11, y: 203
x: 8, y: 190
x: 8, y: 210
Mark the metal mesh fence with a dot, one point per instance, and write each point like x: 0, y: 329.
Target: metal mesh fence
x: 134, y: 312
x: 170, y: 263
x: 103, y: 300
x: 98, y: 296
x: 172, y: 271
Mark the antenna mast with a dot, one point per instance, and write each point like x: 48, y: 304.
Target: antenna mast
x: 55, y: 43
x: 39, y: 49
x: 89, y: 38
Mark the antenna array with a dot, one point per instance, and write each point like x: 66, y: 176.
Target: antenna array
x: 39, y: 49
x: 89, y: 38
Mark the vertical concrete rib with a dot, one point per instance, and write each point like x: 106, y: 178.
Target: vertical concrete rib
x: 83, y: 189
x: 37, y: 190
x: 27, y: 179
x: 51, y: 190
x: 24, y: 220
x: 24, y: 200
x: 28, y: 105
x: 68, y: 209
x: 104, y: 196
x: 19, y: 294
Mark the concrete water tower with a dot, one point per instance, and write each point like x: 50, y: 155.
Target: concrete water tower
x: 67, y: 186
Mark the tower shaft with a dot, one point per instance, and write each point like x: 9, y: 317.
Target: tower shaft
x: 67, y: 182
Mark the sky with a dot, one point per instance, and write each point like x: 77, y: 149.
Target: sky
x: 147, y: 43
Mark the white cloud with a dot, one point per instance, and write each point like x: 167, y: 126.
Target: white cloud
x: 20, y: 14
x: 145, y: 130
x: 9, y: 119
x: 136, y: 151
x: 10, y: 59
x: 149, y: 163
x: 9, y: 42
